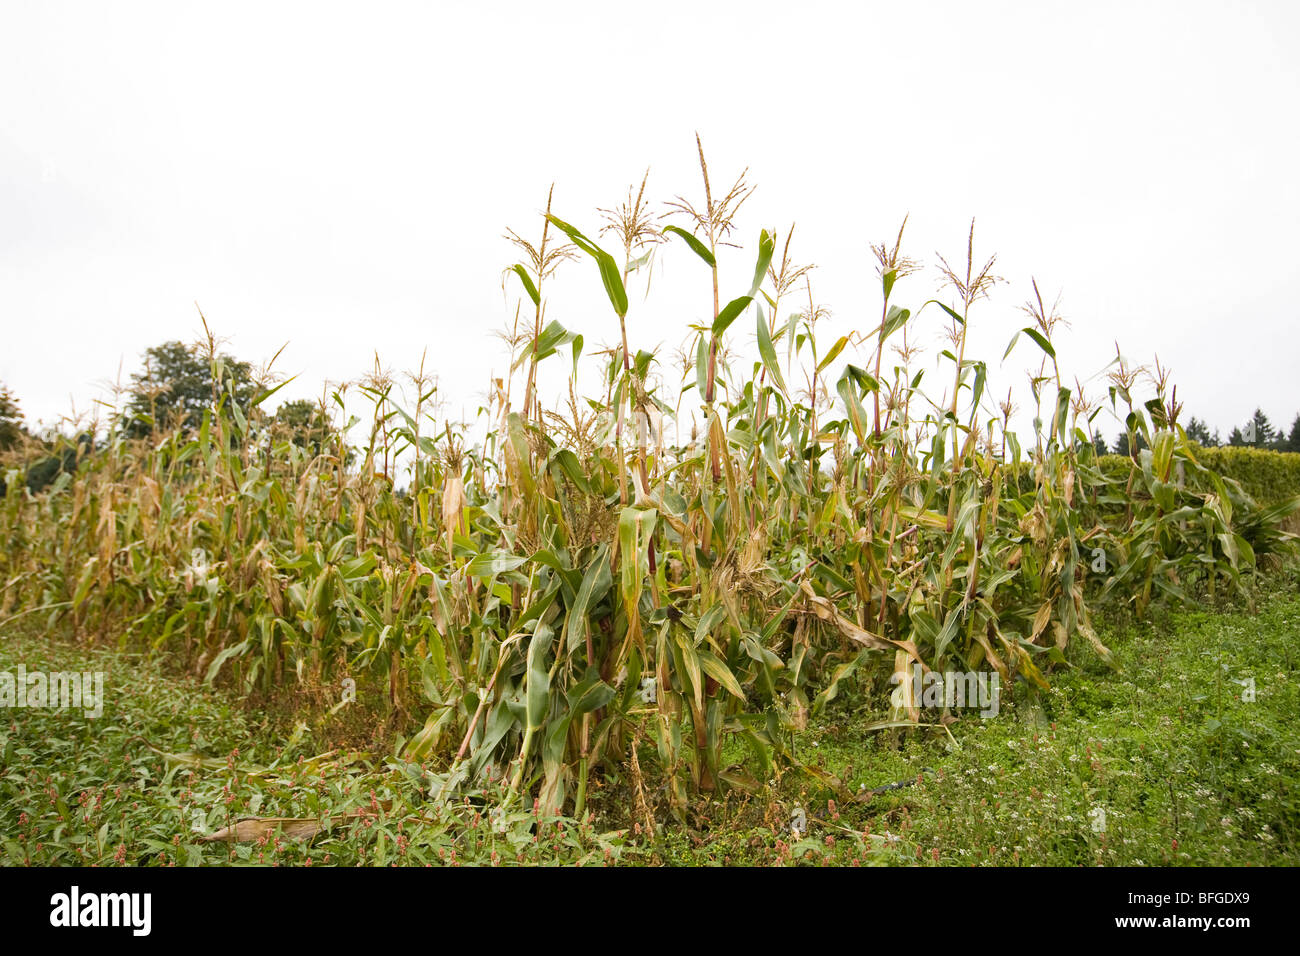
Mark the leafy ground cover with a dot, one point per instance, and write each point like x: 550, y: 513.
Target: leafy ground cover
x: 1165, y: 759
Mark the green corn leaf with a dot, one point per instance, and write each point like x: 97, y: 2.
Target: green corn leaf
x: 1043, y: 344
x: 271, y: 391
x: 1012, y: 344
x: 700, y: 248
x: 1062, y: 411
x: 590, y: 693
x: 572, y: 468
x: 494, y: 562
x: 766, y: 247
x: 538, y: 688
x: 692, y: 667
x: 702, y: 366
x: 595, y: 585
x: 577, y: 352
x: 609, y: 271
x: 953, y: 315
x: 768, y: 353
x: 887, y: 281
x: 730, y: 312
x: 719, y: 672
x: 526, y: 279
x: 634, y: 527
x: 834, y: 353
x: 895, y: 319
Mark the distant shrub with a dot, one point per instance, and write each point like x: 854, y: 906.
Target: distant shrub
x: 1267, y: 476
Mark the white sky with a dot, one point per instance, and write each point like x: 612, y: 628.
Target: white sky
x: 340, y: 177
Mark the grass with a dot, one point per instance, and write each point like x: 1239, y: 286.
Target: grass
x: 171, y: 761
x: 1185, y: 770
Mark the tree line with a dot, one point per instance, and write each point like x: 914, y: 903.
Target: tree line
x: 175, y: 387
x: 1259, y: 432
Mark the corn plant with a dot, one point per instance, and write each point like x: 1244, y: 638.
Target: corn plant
x: 551, y: 595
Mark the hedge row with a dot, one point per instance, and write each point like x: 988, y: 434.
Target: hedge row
x: 1267, y: 476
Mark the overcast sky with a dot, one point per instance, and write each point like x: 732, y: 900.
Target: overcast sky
x: 340, y: 177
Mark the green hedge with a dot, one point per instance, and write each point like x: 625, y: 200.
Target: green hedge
x: 1267, y: 476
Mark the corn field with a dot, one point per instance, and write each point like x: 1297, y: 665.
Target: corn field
x: 555, y: 593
